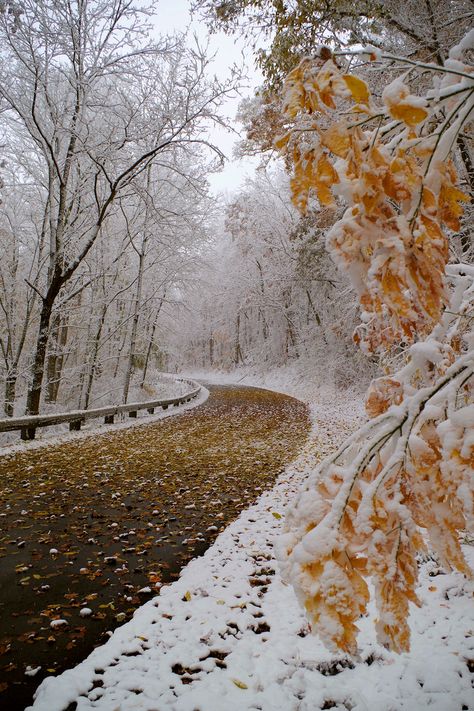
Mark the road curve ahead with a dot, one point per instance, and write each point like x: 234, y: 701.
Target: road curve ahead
x: 99, y: 523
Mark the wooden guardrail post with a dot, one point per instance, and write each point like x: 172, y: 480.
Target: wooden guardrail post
x: 27, y: 433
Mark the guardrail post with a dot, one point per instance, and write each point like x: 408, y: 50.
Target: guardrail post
x: 151, y: 410
x: 109, y: 420
x: 75, y: 425
x: 132, y: 413
x: 165, y: 407
x: 28, y: 433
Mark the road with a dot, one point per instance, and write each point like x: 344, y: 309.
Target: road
x: 101, y: 522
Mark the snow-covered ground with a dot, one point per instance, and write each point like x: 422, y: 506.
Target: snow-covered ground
x: 229, y: 635
x: 300, y: 380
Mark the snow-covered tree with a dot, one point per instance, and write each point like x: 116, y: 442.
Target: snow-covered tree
x: 273, y: 296
x: 88, y: 103
x: 406, y: 477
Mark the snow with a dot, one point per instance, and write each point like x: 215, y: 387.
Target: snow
x: 373, y: 53
x: 466, y: 43
x: 54, y: 624
x: 300, y: 381
x: 32, y: 671
x: 92, y: 427
x: 230, y: 635
x: 398, y: 93
x: 463, y: 417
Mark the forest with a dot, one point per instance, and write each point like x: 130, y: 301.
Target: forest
x: 341, y: 270
x: 117, y: 260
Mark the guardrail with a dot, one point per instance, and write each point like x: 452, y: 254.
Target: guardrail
x: 28, y: 424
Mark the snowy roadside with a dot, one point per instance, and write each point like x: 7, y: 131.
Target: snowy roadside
x: 50, y: 436
x: 228, y: 635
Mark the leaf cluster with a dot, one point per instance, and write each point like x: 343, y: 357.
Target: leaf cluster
x: 406, y: 476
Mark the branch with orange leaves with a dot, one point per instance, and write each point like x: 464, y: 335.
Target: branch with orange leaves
x: 409, y: 468
x: 392, y: 167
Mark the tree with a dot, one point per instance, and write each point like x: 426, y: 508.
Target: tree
x: 411, y: 465
x: 293, y: 29
x: 20, y: 255
x: 270, y: 295
x: 93, y: 102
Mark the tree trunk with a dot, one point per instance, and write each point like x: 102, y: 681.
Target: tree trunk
x: 211, y: 350
x: 133, y: 337
x: 261, y: 310
x: 10, y: 392
x: 150, y: 342
x: 290, y: 338
x: 93, y: 363
x: 59, y: 333
x: 148, y: 354
x: 34, y: 393
x: 238, y: 358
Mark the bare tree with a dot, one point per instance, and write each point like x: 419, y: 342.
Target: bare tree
x: 96, y: 102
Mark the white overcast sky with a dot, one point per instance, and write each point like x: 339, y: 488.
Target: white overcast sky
x: 173, y: 15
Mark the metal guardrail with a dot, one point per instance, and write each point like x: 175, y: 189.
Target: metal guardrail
x: 28, y: 424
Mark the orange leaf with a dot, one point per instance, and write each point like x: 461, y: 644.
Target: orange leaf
x: 451, y: 210
x: 324, y: 194
x: 281, y: 141
x: 337, y: 140
x: 428, y: 199
x: 326, y: 172
x: 358, y: 88
x: 411, y: 115
x: 326, y: 98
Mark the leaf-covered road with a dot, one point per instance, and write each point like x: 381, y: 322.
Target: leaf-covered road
x: 99, y: 523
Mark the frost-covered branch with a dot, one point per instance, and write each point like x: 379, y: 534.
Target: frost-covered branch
x: 410, y: 467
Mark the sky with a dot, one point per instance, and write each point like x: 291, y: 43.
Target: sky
x: 173, y: 15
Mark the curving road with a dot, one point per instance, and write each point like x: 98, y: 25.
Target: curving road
x: 101, y: 522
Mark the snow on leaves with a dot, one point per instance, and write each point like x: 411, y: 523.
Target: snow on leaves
x: 361, y: 512
x: 411, y: 466
x: 395, y: 174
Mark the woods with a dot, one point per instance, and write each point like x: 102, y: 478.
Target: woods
x: 116, y: 258
x: 341, y: 270
x: 105, y: 144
